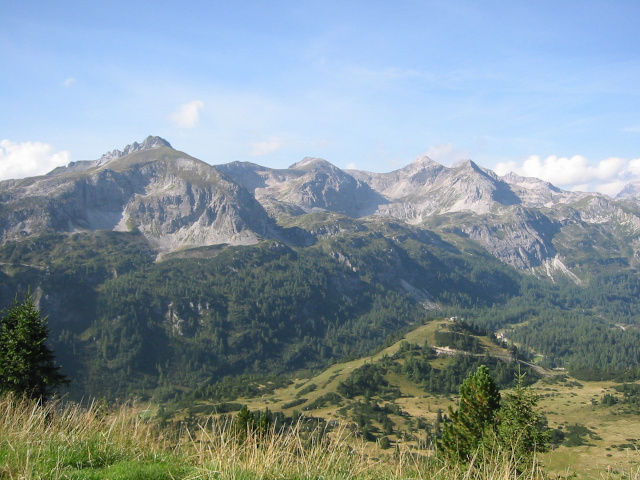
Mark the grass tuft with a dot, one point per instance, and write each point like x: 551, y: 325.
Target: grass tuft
x: 55, y: 441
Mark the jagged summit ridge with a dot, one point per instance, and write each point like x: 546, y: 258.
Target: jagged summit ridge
x: 149, y: 143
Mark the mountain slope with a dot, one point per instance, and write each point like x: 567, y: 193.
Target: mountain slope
x: 310, y: 184
x: 429, y: 188
x: 174, y: 200
x: 516, y: 219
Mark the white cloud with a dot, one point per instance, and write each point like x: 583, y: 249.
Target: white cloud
x: 68, y: 82
x: 446, y: 154
x: 27, y: 159
x: 634, y: 129
x: 634, y: 167
x: 352, y: 166
x: 187, y: 115
x: 576, y: 173
x: 503, y: 168
x: 610, y: 188
x: 272, y: 144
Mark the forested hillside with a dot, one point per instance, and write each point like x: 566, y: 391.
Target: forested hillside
x: 124, y: 324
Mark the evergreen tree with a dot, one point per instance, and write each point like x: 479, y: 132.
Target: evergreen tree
x: 263, y: 424
x: 245, y: 423
x: 27, y: 365
x: 477, y: 407
x: 521, y: 428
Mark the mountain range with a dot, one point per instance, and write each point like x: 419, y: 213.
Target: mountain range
x: 422, y: 238
x: 179, y: 202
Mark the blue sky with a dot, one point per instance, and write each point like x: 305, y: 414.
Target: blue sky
x: 547, y: 88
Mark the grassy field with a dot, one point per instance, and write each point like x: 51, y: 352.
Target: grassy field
x: 613, y: 441
x: 55, y: 442
x: 59, y: 441
x: 612, y: 446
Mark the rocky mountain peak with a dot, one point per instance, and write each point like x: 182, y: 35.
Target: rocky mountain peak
x: 423, y: 161
x: 312, y: 163
x: 468, y: 164
x: 529, y: 182
x: 420, y: 164
x: 149, y: 143
x: 632, y: 190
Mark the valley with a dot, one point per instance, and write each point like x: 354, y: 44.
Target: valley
x: 594, y: 424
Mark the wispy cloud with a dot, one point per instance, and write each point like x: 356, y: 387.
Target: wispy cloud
x: 68, y: 82
x: 272, y: 144
x: 187, y: 115
x: 19, y: 160
x: 634, y: 129
x: 577, y: 173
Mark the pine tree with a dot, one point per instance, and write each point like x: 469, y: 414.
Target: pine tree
x: 477, y: 407
x: 521, y: 428
x: 245, y: 423
x: 27, y: 365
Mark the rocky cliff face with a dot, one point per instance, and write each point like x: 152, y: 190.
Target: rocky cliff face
x: 175, y: 200
x: 520, y: 237
x: 425, y: 188
x: 310, y: 185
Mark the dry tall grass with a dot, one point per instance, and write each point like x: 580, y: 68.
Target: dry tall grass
x: 298, y: 454
x: 56, y: 441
